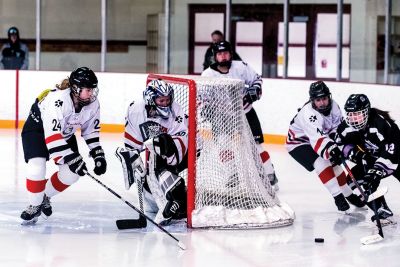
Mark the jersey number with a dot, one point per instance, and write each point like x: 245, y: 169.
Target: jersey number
x: 96, y: 124
x: 56, y: 125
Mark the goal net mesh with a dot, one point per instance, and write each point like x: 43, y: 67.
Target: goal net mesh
x: 227, y: 185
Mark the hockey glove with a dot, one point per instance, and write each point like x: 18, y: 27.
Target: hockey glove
x: 76, y: 164
x: 359, y: 156
x: 373, y: 178
x: 335, y: 155
x: 100, y: 162
x: 252, y: 94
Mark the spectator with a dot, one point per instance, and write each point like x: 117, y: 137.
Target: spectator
x: 14, y: 53
x: 216, y: 37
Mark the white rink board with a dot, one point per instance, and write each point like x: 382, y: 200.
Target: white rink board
x: 279, y: 103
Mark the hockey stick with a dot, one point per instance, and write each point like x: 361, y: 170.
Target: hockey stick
x: 180, y: 244
x: 123, y: 224
x: 372, y: 238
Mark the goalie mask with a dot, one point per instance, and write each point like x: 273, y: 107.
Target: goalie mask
x: 83, y: 77
x: 357, y: 109
x: 222, y: 47
x: 158, y: 89
x: 319, y: 90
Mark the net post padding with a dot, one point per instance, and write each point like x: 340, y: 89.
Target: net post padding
x: 227, y: 184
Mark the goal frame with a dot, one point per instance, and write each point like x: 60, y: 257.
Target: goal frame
x: 192, y: 128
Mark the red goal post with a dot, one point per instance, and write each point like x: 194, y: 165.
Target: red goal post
x: 226, y: 184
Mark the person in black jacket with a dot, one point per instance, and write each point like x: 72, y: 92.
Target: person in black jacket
x: 370, y: 139
x: 216, y: 37
x: 14, y: 54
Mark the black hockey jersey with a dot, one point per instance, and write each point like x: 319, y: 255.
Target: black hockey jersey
x: 380, y: 138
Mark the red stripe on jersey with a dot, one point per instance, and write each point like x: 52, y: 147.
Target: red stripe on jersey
x: 318, y: 144
x: 130, y: 137
x: 53, y: 138
x: 57, y: 184
x: 264, y: 156
x: 182, y: 145
x: 326, y: 175
x: 35, y: 186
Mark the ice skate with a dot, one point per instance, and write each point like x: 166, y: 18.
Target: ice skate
x: 31, y: 214
x: 46, y: 207
x: 355, y: 200
x: 341, y: 203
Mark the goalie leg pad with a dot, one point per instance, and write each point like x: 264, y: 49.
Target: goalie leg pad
x: 176, y: 205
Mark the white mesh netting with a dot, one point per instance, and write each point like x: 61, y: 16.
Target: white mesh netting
x: 231, y: 188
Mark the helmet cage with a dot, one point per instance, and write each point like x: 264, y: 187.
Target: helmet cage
x: 325, y: 109
x: 222, y: 47
x: 357, y: 119
x: 155, y: 89
x: 84, y: 102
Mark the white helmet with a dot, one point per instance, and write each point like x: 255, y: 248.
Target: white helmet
x: 155, y: 89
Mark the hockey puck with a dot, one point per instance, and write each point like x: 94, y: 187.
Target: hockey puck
x: 319, y: 240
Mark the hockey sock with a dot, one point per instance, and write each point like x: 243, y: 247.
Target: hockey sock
x: 60, y: 181
x: 341, y: 178
x: 327, y: 176
x: 35, y: 180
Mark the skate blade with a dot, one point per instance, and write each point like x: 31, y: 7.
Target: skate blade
x: 30, y: 222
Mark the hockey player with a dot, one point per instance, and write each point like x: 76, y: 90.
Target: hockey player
x: 371, y: 140
x: 310, y: 142
x: 225, y: 67
x: 49, y: 133
x: 158, y: 124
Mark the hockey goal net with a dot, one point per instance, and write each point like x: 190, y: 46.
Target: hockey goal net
x: 227, y: 185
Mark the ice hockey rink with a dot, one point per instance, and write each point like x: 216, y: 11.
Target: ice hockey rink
x: 82, y: 231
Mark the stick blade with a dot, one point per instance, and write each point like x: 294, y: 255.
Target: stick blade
x: 124, y: 224
x: 372, y: 239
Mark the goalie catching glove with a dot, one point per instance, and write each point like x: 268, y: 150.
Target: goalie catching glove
x: 164, y: 146
x: 131, y: 164
x: 100, y: 162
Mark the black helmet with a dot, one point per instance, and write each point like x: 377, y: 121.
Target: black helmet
x: 13, y: 31
x: 319, y: 89
x: 357, y: 109
x: 221, y: 47
x: 83, y: 77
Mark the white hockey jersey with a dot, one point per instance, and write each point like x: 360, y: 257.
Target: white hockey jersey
x: 238, y: 70
x: 60, y: 122
x: 311, y: 127
x: 139, y: 128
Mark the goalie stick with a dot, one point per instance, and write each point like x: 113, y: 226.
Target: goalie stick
x: 180, y: 244
x: 371, y: 239
x: 141, y: 222
x: 123, y: 224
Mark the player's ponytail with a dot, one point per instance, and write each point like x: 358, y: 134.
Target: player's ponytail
x: 64, y: 85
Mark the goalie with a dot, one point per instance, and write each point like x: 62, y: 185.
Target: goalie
x: 157, y: 125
